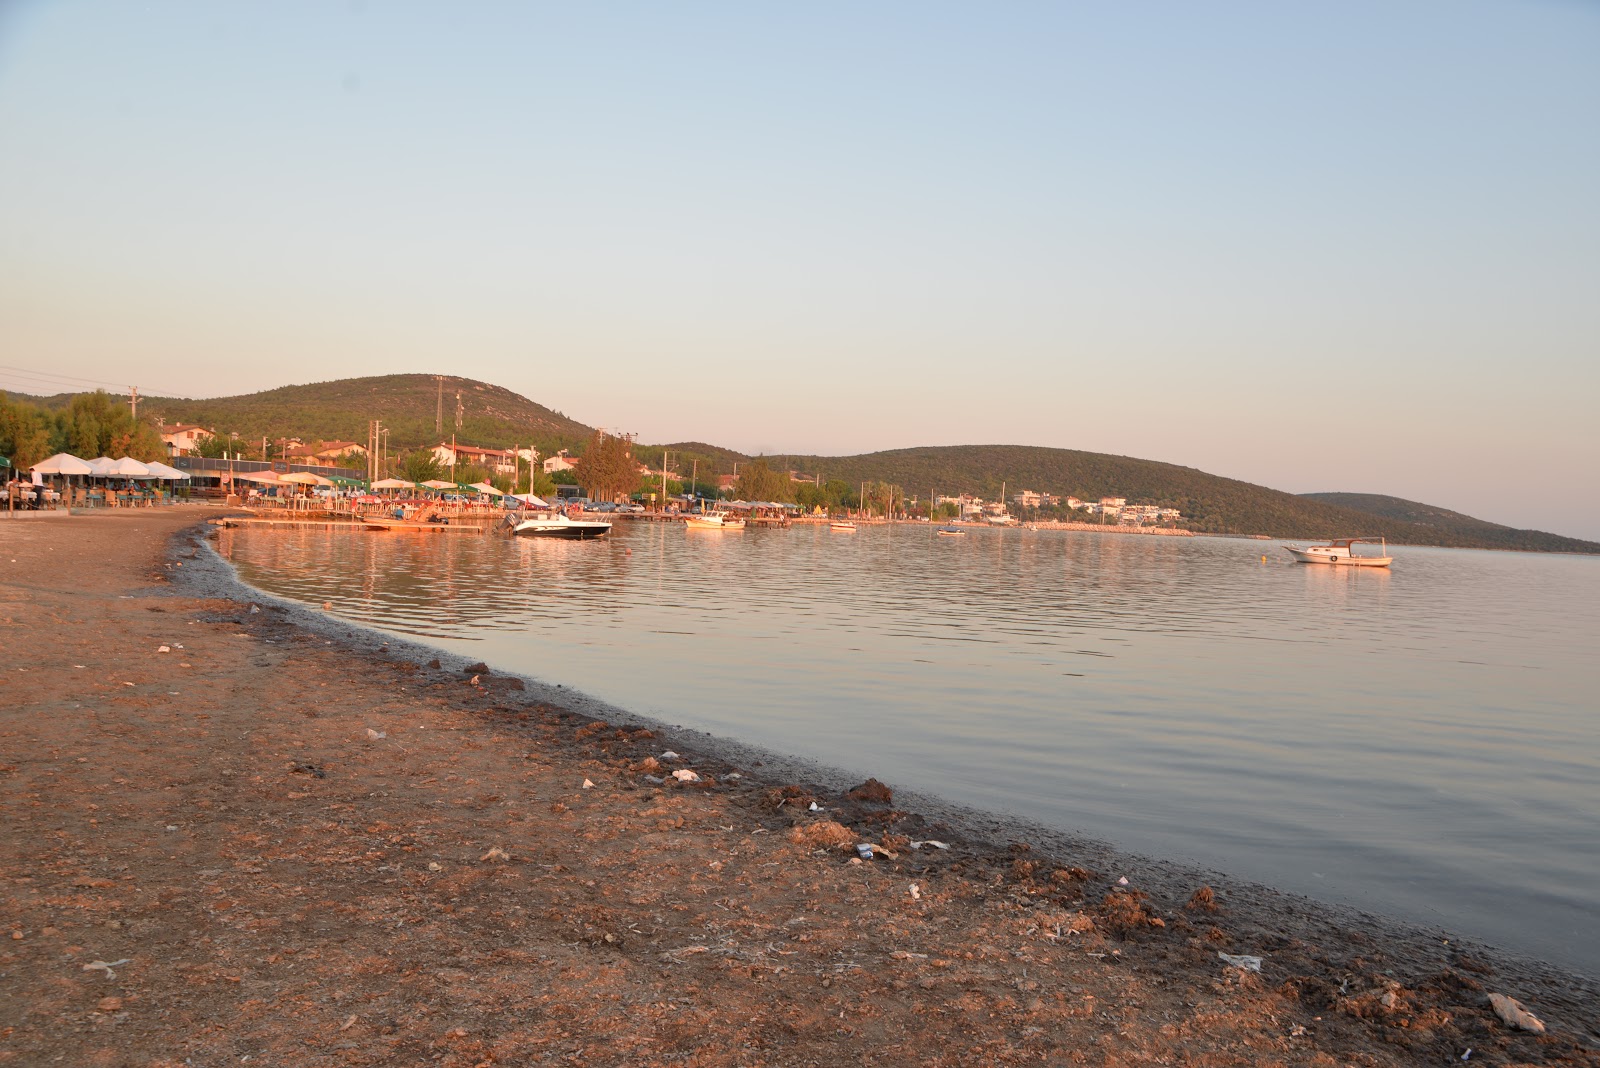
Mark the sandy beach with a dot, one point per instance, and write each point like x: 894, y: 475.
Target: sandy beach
x: 235, y: 833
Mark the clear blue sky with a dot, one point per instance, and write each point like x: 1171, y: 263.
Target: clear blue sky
x: 1346, y: 246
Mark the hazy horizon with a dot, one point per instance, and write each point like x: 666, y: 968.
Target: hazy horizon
x: 1348, y: 250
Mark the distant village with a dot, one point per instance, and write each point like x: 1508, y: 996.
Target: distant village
x: 354, y: 459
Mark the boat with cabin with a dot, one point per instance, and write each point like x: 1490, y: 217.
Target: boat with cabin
x: 1341, y: 552
x: 557, y: 525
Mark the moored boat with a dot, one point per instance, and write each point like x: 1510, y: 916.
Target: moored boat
x: 843, y: 526
x: 950, y: 532
x: 556, y: 525
x: 713, y: 521
x: 1339, y: 551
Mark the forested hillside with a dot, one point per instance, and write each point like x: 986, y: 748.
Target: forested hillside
x: 490, y: 415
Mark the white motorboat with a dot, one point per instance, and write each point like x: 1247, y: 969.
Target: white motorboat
x: 556, y: 525
x: 713, y: 521
x: 842, y: 526
x: 1340, y: 551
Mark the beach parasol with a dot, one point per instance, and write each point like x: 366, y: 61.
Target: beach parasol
x: 62, y: 463
x: 269, y: 478
x: 161, y: 470
x: 128, y: 467
x: 305, y: 478
x: 393, y: 483
x: 439, y: 484
x: 484, y: 487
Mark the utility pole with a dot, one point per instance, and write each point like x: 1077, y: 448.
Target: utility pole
x: 663, y: 481
x: 694, y: 479
x: 453, y: 447
x: 459, y: 410
x: 133, y: 400
x: 438, y: 408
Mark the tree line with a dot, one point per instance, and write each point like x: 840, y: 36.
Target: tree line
x: 90, y: 425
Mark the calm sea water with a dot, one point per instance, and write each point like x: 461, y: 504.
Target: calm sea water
x: 1421, y: 743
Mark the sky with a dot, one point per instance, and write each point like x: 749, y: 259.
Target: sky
x: 1347, y: 246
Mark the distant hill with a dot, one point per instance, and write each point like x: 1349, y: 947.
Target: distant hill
x: 497, y: 417
x: 339, y: 411
x: 1209, y: 503
x: 1459, y: 528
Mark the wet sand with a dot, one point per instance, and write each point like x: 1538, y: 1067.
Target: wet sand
x: 306, y: 844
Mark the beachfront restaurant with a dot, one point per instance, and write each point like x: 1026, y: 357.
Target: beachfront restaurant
x: 67, y: 480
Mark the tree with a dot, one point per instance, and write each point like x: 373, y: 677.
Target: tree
x: 24, y: 433
x: 759, y: 482
x: 607, y: 470
x: 214, y: 446
x: 470, y: 474
x: 421, y: 465
x: 538, y: 483
x: 94, y: 424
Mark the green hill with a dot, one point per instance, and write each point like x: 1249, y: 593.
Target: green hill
x: 492, y: 417
x: 1457, y: 527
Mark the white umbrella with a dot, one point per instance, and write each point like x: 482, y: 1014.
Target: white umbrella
x: 439, y: 484
x: 531, y: 501
x: 101, y: 466
x: 306, y: 478
x: 268, y: 477
x: 161, y: 470
x: 62, y: 463
x: 393, y: 483
x: 484, y: 487
x: 128, y: 467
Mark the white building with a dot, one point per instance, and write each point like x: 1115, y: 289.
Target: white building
x: 181, y: 438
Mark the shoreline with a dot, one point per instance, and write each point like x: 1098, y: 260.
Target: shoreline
x: 982, y: 906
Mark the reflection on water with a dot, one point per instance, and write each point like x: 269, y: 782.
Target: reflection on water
x: 1419, y: 743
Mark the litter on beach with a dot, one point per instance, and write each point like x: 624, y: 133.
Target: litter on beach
x: 1248, y: 963
x: 1513, y: 1013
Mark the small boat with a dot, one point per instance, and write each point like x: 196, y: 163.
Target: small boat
x: 556, y: 525
x: 1004, y: 519
x: 1339, y: 551
x: 843, y: 526
x: 713, y: 521
x: 950, y: 532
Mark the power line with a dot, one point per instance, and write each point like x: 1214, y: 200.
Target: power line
x: 69, y: 383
